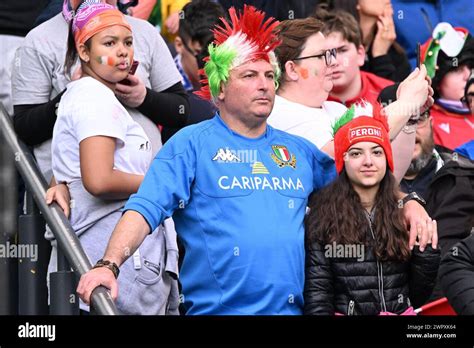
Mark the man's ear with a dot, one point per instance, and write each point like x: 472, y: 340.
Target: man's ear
x: 360, y: 55
x: 221, y: 95
x: 291, y: 71
x: 178, y: 44
x: 83, y: 53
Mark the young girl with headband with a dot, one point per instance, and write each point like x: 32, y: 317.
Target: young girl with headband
x: 358, y: 261
x: 102, y: 155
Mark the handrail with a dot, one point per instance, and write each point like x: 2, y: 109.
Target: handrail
x: 53, y: 214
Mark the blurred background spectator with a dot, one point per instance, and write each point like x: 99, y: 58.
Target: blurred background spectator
x: 449, y: 57
x: 416, y: 19
x: 384, y: 57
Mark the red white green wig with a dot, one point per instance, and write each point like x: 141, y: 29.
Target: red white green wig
x: 249, y: 37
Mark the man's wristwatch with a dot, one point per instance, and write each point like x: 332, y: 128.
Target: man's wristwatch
x: 108, y: 264
x: 414, y: 196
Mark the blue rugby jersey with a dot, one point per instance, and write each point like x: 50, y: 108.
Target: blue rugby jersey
x: 238, y: 204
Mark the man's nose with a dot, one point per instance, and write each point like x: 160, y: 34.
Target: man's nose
x: 263, y: 82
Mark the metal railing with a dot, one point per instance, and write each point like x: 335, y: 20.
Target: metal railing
x: 67, y: 241
x: 8, y: 214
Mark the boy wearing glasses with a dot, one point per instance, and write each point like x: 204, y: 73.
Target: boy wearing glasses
x: 351, y: 84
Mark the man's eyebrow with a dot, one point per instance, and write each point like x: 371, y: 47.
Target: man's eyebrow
x: 246, y: 71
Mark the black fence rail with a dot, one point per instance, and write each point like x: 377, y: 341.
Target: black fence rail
x: 24, y: 285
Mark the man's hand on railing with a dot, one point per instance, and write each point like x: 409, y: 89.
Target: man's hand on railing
x: 59, y: 194
x: 94, y: 278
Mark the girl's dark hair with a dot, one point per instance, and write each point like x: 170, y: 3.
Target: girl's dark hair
x: 336, y: 215
x: 71, y: 54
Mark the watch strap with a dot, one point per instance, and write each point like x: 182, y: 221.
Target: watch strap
x: 110, y: 265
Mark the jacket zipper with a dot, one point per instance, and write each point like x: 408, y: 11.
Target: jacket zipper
x: 383, y: 307
x: 350, y: 309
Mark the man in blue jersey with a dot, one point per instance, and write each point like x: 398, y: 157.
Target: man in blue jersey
x: 236, y: 188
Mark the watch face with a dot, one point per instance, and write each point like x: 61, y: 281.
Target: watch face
x: 416, y: 197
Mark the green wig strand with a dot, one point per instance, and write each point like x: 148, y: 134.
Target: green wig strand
x: 345, y: 118
x: 218, y: 67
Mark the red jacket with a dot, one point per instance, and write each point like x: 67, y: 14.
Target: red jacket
x: 450, y: 129
x: 372, y: 85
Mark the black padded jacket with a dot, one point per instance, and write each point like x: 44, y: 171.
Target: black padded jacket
x: 351, y: 286
x: 457, y: 273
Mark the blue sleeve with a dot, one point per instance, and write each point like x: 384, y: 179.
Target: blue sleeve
x: 167, y: 184
x: 324, y: 169
x: 323, y: 166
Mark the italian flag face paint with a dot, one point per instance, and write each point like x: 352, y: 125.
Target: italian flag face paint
x: 106, y: 60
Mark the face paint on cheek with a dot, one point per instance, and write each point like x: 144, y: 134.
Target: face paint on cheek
x: 315, y: 72
x: 106, y: 60
x: 303, y: 73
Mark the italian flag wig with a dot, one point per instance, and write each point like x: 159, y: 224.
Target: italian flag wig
x: 249, y: 37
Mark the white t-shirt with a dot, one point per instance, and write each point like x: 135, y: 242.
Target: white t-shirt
x: 38, y: 74
x: 313, y: 124
x: 89, y: 108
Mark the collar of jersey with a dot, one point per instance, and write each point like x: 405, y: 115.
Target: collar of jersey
x: 252, y: 142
